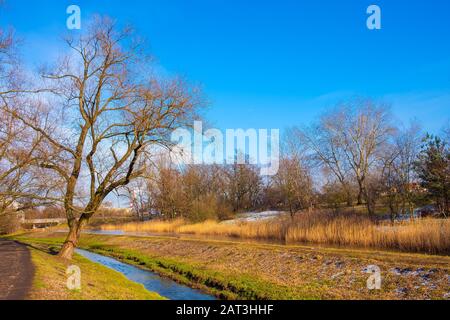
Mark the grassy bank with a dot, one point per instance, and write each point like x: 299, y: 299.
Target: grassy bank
x: 97, y: 282
x: 233, y: 270
x: 347, y: 229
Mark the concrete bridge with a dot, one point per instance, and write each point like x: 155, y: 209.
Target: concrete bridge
x: 42, y: 223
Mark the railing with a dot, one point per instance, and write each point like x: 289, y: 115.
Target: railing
x: 35, y: 223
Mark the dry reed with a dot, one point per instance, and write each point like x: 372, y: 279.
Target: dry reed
x: 344, y: 229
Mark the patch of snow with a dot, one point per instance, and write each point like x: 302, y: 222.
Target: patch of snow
x: 256, y: 216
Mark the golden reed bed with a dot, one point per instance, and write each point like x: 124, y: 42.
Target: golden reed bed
x: 425, y: 235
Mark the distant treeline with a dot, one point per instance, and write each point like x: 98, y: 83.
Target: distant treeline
x: 352, y: 155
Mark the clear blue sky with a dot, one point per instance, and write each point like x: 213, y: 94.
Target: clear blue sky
x: 276, y: 64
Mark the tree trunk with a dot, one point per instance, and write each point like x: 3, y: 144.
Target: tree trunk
x: 392, y: 210
x: 71, y: 241
x: 362, y: 193
x: 348, y: 195
x: 349, y: 202
x: 370, y: 202
x: 360, y: 197
x: 291, y: 211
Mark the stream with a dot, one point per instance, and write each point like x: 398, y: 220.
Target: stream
x: 151, y: 281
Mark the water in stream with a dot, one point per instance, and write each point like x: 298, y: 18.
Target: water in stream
x: 151, y: 281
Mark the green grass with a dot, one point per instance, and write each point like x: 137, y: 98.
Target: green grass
x: 223, y: 285
x: 236, y: 270
x: 97, y: 282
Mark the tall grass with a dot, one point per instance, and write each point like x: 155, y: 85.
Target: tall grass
x: 157, y: 226
x: 343, y: 229
x: 424, y: 235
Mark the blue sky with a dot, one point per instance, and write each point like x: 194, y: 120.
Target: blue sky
x: 281, y: 63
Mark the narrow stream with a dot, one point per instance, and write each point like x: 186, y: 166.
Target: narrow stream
x: 151, y: 281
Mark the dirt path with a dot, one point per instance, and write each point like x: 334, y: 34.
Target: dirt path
x: 16, y: 270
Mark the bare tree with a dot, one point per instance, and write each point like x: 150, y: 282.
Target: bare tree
x: 137, y: 195
x: 243, y: 185
x: 166, y: 190
x: 349, y: 141
x: 362, y: 129
x: 398, y: 173
x: 294, y: 184
x: 322, y: 140
x: 107, y: 118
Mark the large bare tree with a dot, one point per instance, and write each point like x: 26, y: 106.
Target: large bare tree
x: 349, y: 141
x: 105, y: 115
x: 363, y: 129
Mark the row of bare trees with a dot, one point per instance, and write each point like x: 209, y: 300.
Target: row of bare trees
x: 196, y: 192
x: 364, y: 156
x: 352, y: 155
x: 200, y: 192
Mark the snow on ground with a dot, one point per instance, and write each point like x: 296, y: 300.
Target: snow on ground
x: 255, y: 216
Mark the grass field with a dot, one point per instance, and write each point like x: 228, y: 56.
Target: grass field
x: 235, y: 270
x: 97, y: 282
